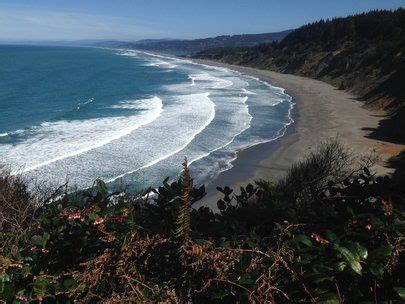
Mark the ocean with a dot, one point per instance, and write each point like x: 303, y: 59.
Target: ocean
x: 128, y: 117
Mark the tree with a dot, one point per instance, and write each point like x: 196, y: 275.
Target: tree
x: 183, y: 222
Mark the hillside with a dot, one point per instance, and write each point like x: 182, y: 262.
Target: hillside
x: 362, y: 53
x: 196, y: 45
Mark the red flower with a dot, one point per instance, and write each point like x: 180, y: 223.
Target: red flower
x: 319, y: 239
x: 107, y: 239
x: 33, y: 248
x: 368, y: 226
x: 98, y: 221
x: 118, y: 218
x: 21, y: 297
x: 74, y: 216
x: 386, y: 206
x: 45, y: 250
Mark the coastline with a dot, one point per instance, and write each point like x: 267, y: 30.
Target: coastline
x: 321, y: 112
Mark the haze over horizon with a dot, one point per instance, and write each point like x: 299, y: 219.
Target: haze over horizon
x: 133, y: 20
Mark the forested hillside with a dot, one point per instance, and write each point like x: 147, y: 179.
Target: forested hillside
x: 196, y: 45
x: 363, y: 53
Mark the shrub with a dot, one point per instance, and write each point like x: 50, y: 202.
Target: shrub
x: 344, y: 245
x: 17, y: 211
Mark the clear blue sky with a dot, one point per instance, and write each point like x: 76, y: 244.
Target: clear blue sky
x: 139, y: 19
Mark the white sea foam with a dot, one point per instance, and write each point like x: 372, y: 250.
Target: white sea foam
x: 81, y: 104
x: 204, y: 102
x: 3, y: 134
x: 248, y: 92
x: 55, y: 141
x: 247, y: 126
x: 209, y: 81
x: 142, y: 104
x: 192, y: 78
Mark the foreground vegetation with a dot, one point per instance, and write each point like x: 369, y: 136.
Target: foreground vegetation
x: 362, y: 53
x: 329, y: 232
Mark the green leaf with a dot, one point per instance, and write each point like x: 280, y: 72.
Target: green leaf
x: 37, y: 240
x: 355, y: 265
x: 377, y: 270
x: 381, y: 253
x: 360, y: 251
x: 6, y: 263
x: 346, y: 253
x: 330, y: 236
x: 329, y: 298
x: 40, y: 286
x: 26, y: 270
x: 221, y: 294
x: 340, y: 266
x: 4, y: 277
x: 400, y: 291
x: 303, y: 239
x: 246, y: 281
x: 7, y: 292
x: 351, y: 259
x: 45, y: 239
x: 69, y: 283
x: 224, y: 243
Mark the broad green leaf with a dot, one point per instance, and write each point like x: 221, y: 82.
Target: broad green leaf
x: 45, y: 239
x: 330, y: 235
x: 4, y: 277
x: 329, y: 298
x: 381, y: 253
x: 377, y: 270
x: 26, y: 270
x: 69, y: 283
x: 6, y: 263
x: 346, y: 253
x: 303, y: 239
x: 358, y: 250
x: 37, y: 240
x: 355, y: 265
x: 340, y: 266
x: 400, y: 291
x: 7, y: 292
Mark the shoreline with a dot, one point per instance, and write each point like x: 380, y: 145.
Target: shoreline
x: 321, y: 112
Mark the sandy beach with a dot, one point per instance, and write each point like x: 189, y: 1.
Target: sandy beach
x: 321, y: 112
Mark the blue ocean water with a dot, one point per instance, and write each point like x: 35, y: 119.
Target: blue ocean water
x: 127, y: 117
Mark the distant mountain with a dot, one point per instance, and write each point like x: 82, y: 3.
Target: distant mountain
x: 182, y: 47
x: 86, y: 42
x: 364, y: 54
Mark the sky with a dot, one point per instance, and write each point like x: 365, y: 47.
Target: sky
x: 31, y: 20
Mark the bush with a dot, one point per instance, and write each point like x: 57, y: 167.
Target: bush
x: 343, y: 242
x: 17, y: 211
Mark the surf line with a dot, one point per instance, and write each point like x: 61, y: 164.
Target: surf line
x: 157, y: 112
x: 208, y: 122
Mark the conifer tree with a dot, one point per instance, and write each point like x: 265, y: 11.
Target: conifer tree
x: 183, y: 222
